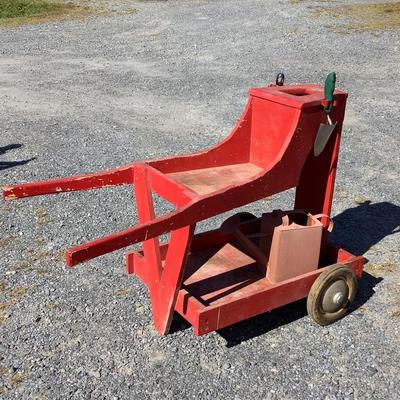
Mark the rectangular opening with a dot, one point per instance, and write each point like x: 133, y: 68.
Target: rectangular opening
x: 297, y: 92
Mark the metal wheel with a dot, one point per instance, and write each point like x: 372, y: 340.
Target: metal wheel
x: 331, y: 294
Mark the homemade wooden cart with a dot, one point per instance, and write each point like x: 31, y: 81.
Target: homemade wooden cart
x: 217, y: 278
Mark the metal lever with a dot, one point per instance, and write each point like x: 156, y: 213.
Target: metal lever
x: 280, y: 79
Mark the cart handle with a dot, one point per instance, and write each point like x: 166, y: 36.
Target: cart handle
x: 112, y: 177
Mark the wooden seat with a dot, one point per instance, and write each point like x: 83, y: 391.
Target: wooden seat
x: 207, y: 180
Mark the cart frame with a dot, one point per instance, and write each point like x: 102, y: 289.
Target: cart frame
x: 248, y: 166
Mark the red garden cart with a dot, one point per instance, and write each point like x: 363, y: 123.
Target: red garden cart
x: 250, y: 265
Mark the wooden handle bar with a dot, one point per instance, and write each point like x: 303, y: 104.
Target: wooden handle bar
x: 136, y: 234
x: 117, y: 176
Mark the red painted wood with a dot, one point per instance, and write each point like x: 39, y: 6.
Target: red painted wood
x: 266, y: 299
x: 118, y: 176
x: 190, y: 309
x: 136, y: 264
x: 169, y: 189
x: 210, y: 285
x: 145, y: 211
x: 302, y: 97
x: 131, y: 264
x: 247, y: 301
x: 315, y: 189
x: 209, y: 180
x: 265, y: 147
x: 166, y: 293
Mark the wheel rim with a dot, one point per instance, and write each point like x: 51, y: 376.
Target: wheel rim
x: 331, y: 294
x: 335, y: 296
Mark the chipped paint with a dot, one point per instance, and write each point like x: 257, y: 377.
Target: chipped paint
x: 10, y: 196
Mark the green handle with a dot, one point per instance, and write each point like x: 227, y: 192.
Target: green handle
x: 329, y: 89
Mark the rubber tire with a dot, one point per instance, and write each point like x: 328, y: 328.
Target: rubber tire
x: 321, y: 284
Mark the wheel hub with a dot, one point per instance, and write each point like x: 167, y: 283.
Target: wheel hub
x: 335, y: 296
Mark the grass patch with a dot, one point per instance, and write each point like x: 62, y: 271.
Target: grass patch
x: 51, y: 306
x: 122, y: 292
x: 4, y: 242
x: 361, y: 17
x: 15, y: 12
x: 387, y: 266
x: 17, y: 378
x: 40, y: 215
x: 19, y: 292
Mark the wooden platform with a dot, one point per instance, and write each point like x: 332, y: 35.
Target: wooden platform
x: 222, y: 285
x: 220, y: 275
x: 207, y: 180
x: 221, y: 290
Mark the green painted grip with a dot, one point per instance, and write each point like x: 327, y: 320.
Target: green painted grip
x: 329, y: 89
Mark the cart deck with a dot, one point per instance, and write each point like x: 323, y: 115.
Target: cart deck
x: 222, y: 284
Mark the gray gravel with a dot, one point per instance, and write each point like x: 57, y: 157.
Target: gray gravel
x: 82, y: 96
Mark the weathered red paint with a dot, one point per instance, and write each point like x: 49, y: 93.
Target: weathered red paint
x: 206, y: 298
x: 269, y: 151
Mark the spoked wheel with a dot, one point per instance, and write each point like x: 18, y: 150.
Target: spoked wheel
x: 331, y: 294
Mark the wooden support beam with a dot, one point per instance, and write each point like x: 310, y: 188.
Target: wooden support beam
x: 145, y: 211
x: 171, y: 278
x: 169, y: 189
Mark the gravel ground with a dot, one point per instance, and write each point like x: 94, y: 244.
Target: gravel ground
x: 86, y: 95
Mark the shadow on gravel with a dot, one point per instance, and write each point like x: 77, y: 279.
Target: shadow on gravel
x: 365, y: 290
x: 264, y: 323
x: 178, y: 324
x: 11, y: 164
x: 359, y: 228
x: 250, y: 328
x: 9, y: 147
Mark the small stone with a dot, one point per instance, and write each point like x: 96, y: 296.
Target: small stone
x: 94, y: 374
x: 371, y: 371
x: 361, y: 200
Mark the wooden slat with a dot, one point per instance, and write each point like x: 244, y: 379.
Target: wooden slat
x: 207, y: 180
x: 166, y: 293
x: 169, y: 189
x: 145, y: 211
